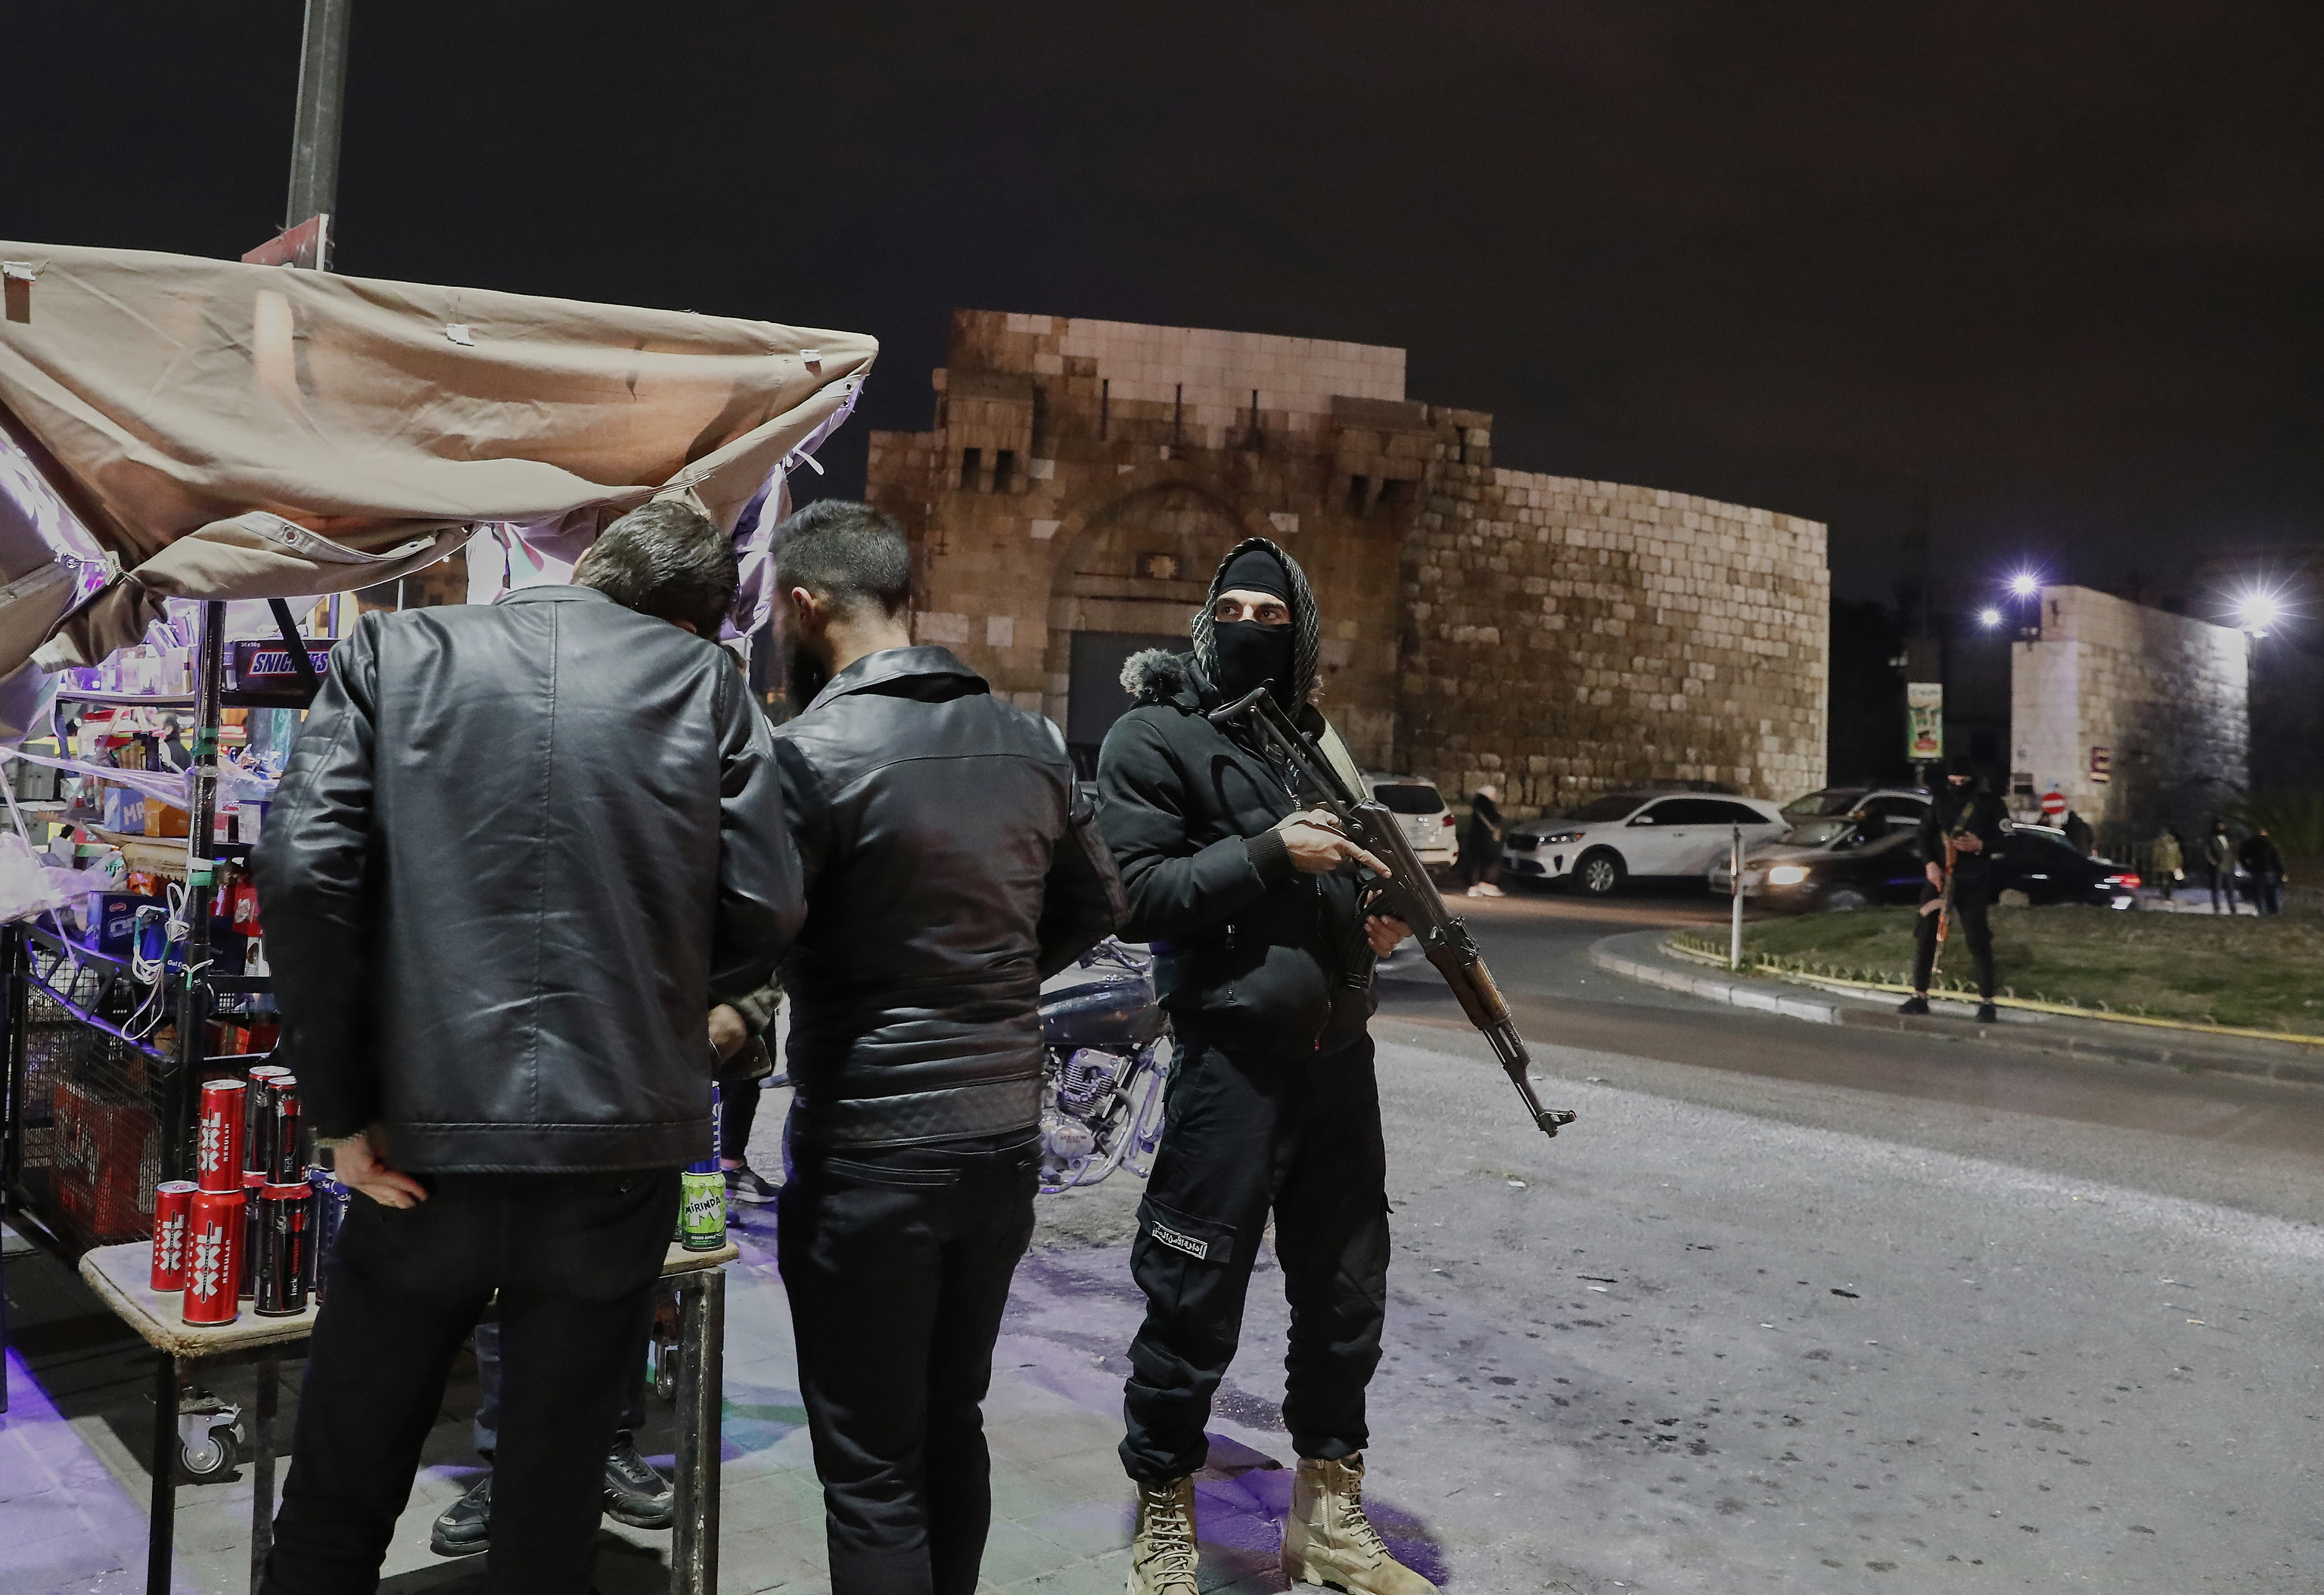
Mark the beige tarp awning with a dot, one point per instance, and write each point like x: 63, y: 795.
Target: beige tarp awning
x: 240, y: 431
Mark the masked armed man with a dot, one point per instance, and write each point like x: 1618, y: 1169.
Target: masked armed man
x: 1252, y: 906
x: 1963, y: 812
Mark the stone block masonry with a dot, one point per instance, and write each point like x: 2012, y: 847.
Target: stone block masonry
x: 1568, y: 638
x: 2139, y: 716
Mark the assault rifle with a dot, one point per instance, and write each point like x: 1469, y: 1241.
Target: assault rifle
x: 1406, y: 893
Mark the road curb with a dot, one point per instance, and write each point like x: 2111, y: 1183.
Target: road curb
x: 2084, y: 1038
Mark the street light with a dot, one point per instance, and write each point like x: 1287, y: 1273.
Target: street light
x: 1988, y: 618
x: 2255, y: 611
x: 2024, y: 585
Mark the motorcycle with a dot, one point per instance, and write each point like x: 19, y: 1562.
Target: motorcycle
x: 1109, y: 1050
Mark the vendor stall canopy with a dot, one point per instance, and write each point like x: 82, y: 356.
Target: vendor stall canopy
x: 182, y: 428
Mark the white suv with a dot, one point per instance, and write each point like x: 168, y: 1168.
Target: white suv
x: 1604, y: 842
x: 1420, y: 809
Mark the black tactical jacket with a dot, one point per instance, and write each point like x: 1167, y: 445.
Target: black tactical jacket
x: 517, y: 852
x: 949, y: 867
x: 1952, y: 809
x: 1246, y: 941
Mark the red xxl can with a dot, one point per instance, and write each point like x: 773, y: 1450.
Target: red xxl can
x: 213, y: 1244
x: 283, y: 1237
x: 218, y: 1150
x: 245, y: 1257
x: 173, y: 1211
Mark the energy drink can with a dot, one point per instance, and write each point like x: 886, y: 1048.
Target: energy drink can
x: 246, y: 1267
x: 217, y: 1146
x: 258, y: 1132
x: 284, y: 1164
x: 213, y: 1244
x: 330, y: 1198
x: 702, y: 1210
x: 173, y: 1211
x: 283, y: 1242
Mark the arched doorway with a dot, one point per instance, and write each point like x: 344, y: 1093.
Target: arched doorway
x: 1136, y: 574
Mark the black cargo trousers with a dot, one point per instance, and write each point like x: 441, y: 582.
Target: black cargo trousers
x: 1249, y: 1127
x: 1972, y: 896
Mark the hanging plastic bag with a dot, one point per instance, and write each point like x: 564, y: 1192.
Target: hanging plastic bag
x: 28, y: 887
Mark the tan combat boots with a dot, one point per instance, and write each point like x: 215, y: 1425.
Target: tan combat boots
x: 1162, y: 1550
x: 1328, y: 1540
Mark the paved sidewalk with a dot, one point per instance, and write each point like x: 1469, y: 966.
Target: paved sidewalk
x: 1643, y: 955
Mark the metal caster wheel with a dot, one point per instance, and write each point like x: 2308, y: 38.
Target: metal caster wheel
x: 211, y: 1441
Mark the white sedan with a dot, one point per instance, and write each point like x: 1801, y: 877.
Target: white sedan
x: 1624, y: 833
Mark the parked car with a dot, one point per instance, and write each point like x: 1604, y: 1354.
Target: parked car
x: 1853, y: 862
x: 1422, y: 811
x: 1896, y: 806
x: 1603, y: 843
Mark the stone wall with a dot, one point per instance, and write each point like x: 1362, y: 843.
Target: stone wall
x: 2165, y: 695
x: 1083, y: 478
x: 1572, y: 638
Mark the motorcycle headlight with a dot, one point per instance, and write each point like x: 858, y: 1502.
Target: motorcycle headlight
x: 1787, y: 875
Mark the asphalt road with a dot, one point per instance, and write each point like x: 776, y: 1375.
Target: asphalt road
x: 1795, y: 1308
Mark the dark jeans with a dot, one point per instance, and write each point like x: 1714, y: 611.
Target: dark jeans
x: 738, y: 1110
x: 2267, y: 892
x: 573, y: 1257
x: 1249, y: 1127
x: 2223, y: 886
x: 897, y: 1261
x: 1972, y: 895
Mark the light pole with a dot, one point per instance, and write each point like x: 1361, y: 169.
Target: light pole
x: 314, y: 131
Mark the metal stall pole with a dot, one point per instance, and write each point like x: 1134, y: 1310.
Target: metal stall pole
x: 161, y: 1529
x: 315, y: 132
x: 701, y: 1383
x: 262, y: 1468
x: 201, y: 875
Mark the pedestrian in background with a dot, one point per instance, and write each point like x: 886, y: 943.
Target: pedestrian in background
x: 2078, y: 832
x: 1480, y: 844
x: 2220, y: 866
x: 2264, y: 863
x: 517, y: 852
x: 2170, y: 864
x: 951, y: 865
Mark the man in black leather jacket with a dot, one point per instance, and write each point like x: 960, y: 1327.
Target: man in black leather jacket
x: 1964, y: 813
x: 950, y: 867
x: 517, y: 852
x: 1252, y: 904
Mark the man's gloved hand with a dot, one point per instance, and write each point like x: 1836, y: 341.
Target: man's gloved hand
x: 360, y: 1168
x: 1318, y: 847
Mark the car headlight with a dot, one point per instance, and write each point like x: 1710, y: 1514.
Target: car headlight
x: 1563, y: 836
x: 1787, y: 875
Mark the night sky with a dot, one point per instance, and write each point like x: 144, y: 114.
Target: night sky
x: 2063, y: 262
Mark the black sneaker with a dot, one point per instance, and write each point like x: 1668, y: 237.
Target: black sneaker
x: 1916, y: 1005
x: 634, y: 1493
x: 1984, y: 1014
x: 465, y: 1528
x: 744, y: 1185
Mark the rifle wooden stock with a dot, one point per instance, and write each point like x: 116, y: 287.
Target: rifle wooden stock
x: 1407, y: 892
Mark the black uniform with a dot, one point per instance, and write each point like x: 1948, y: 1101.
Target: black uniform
x: 1954, y: 811
x: 949, y: 867
x: 1272, y: 1103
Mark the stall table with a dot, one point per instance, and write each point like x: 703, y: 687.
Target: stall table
x: 118, y: 1273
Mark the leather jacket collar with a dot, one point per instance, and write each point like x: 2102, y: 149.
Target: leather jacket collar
x: 894, y: 664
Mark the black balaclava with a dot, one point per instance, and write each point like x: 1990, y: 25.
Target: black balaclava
x: 1250, y: 653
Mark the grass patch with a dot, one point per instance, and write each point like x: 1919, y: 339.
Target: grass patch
x: 2260, y: 974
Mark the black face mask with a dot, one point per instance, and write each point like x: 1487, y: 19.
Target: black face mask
x: 803, y: 676
x: 1251, y: 654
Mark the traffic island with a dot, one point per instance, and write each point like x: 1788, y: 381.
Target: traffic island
x: 1862, y: 994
